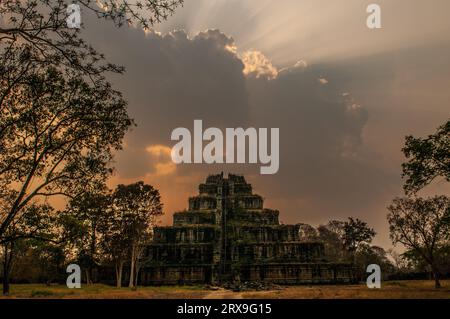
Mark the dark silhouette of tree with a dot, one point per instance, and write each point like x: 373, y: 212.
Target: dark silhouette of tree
x: 343, y: 239
x: 60, y: 120
x: 356, y: 233
x: 35, y: 34
x: 36, y: 223
x: 139, y: 205
x: 88, y: 210
x: 59, y: 135
x: 331, y: 235
x: 115, y: 243
x: 423, y: 227
x: 367, y: 255
x: 427, y: 159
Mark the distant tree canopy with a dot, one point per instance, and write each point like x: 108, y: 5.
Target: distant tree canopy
x: 349, y: 235
x: 427, y: 159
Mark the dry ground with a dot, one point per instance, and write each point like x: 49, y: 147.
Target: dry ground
x: 415, y: 289
x: 394, y: 289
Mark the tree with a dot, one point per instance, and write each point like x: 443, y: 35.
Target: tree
x: 427, y: 159
x: 115, y: 242
x: 36, y: 31
x: 89, y: 210
x: 422, y: 226
x: 331, y: 235
x: 399, y: 261
x: 355, y: 234
x: 59, y: 133
x: 138, y: 204
x: 59, y: 117
x: 367, y: 255
x: 343, y: 239
x: 36, y: 223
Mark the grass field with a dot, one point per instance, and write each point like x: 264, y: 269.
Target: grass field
x: 390, y: 290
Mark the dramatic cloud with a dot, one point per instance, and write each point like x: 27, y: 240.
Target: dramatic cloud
x: 342, y: 121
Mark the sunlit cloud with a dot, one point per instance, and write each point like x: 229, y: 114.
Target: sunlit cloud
x: 259, y: 65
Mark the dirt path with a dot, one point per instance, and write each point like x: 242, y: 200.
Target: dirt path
x: 223, y: 294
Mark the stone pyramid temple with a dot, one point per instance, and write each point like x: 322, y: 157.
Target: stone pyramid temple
x: 227, y: 235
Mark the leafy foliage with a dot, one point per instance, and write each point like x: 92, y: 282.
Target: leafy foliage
x: 427, y: 159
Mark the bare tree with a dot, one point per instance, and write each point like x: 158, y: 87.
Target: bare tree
x: 423, y: 226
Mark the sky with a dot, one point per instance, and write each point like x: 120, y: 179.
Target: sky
x: 343, y: 96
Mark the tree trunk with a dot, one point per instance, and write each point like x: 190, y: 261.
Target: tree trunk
x: 119, y: 270
x: 138, y: 263
x: 132, y: 266
x: 93, y: 250
x: 5, y: 282
x: 136, y: 275
x: 436, y: 275
x: 7, y: 263
x: 88, y: 277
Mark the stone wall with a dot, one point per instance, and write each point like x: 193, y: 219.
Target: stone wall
x: 264, y: 233
x: 296, y: 273
x: 194, y: 218
x: 277, y: 252
x: 255, y: 217
x: 176, y: 275
x: 170, y: 254
x: 185, y: 234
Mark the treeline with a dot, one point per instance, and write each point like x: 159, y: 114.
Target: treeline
x: 61, y: 121
x: 351, y: 242
x: 101, y: 230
